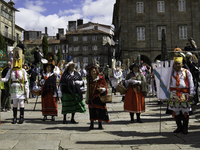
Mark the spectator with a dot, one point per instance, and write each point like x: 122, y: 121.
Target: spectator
x: 37, y: 59
x: 188, y: 47
x: 21, y: 45
x: 33, y: 75
x: 192, y: 43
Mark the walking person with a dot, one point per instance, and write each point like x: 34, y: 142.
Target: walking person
x: 70, y: 93
x: 96, y: 87
x: 33, y: 75
x: 134, y: 99
x: 181, y: 96
x: 6, y: 101
x: 18, y: 84
x: 49, y: 92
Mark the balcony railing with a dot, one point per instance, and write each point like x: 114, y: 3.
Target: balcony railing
x: 10, y: 36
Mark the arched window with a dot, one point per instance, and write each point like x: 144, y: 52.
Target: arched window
x: 10, y: 16
x: 6, y: 13
x: 2, y: 10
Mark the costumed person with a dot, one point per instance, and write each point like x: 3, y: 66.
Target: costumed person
x: 192, y: 43
x: 70, y: 92
x: 18, y: 84
x: 134, y: 101
x: 181, y: 95
x: 117, y: 76
x: 96, y: 87
x: 191, y: 65
x: 49, y: 90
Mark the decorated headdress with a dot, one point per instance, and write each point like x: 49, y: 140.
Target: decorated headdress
x: 118, y: 64
x: 50, y: 58
x: 17, y: 58
x: 179, y: 59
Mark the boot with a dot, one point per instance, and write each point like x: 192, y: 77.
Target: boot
x: 132, y: 117
x: 185, y: 124
x: 21, y: 119
x: 72, y: 119
x: 100, y: 125
x: 91, y: 125
x: 14, y: 115
x: 178, y: 123
x: 52, y: 118
x: 45, y: 118
x: 138, y: 118
x: 64, y: 119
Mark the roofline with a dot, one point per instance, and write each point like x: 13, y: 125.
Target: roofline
x: 19, y: 27
x: 9, y: 5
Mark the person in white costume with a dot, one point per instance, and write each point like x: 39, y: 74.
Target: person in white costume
x: 18, y: 84
x: 181, y: 95
x: 117, y: 76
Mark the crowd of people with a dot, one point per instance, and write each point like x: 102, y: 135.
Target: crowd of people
x: 71, y: 84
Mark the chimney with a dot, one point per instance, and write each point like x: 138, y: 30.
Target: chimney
x: 11, y: 3
x: 61, y: 31
x: 79, y: 22
x: 46, y: 30
x: 72, y: 25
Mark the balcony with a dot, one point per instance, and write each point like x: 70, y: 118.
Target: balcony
x: 9, y: 36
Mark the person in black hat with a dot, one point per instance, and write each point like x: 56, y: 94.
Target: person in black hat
x: 134, y: 99
x: 49, y: 92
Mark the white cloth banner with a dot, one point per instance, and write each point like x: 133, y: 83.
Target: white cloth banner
x: 162, y: 72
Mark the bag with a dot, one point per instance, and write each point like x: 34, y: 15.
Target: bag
x: 121, y: 89
x: 106, y: 98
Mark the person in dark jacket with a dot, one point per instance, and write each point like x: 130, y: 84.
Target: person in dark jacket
x: 33, y: 75
x: 6, y: 101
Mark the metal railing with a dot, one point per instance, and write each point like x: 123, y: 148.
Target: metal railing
x: 8, y: 35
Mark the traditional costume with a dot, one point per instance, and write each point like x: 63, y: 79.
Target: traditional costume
x: 182, y: 90
x: 134, y: 99
x: 117, y: 76
x: 18, y: 84
x: 97, y: 109
x: 70, y: 93
x: 49, y: 92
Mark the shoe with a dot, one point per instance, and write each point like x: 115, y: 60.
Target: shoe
x: 64, y: 121
x: 91, y: 127
x: 9, y: 110
x: 73, y: 121
x: 21, y: 118
x: 132, y: 121
x: 45, y: 118
x: 53, y: 118
x: 179, y: 124
x: 14, y: 115
x: 100, y: 128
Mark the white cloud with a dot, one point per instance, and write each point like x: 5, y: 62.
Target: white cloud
x: 30, y: 17
x: 35, y: 5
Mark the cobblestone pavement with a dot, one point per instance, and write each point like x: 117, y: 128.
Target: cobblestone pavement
x: 119, y: 134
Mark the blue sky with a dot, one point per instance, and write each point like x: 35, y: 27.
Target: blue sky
x: 36, y: 14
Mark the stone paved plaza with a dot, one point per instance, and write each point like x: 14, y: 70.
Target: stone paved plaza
x: 119, y: 134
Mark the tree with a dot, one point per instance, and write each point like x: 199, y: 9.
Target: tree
x: 59, y: 56
x: 2, y: 42
x: 29, y: 58
x: 45, y: 46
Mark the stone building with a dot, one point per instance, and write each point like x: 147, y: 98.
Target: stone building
x: 139, y: 23
x: 86, y: 42
x: 10, y: 31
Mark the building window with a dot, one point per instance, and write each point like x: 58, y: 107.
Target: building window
x: 85, y: 60
x: 96, y: 57
x: 140, y: 33
x: 183, y: 32
x: 94, y: 47
x: 140, y: 7
x: 105, y: 48
x: 70, y: 49
x: 94, y: 38
x: 84, y: 38
x: 182, y: 5
x: 75, y: 59
x: 76, y: 48
x: 85, y: 48
x: 160, y: 32
x: 105, y: 60
x: 56, y: 47
x: 161, y: 6
x: 10, y: 17
x: 75, y: 38
x: 6, y: 31
x: 2, y: 10
x: 17, y: 35
x: 6, y: 13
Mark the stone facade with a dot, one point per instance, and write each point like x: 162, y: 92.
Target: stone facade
x: 177, y: 16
